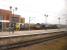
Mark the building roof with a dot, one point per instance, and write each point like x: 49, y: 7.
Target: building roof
x: 5, y: 11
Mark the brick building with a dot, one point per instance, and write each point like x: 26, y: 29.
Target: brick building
x: 6, y: 16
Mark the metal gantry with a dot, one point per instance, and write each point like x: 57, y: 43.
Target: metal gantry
x: 30, y: 22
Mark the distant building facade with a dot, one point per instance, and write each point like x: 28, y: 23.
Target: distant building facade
x: 6, y: 17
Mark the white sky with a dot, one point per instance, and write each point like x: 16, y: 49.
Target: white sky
x: 37, y: 8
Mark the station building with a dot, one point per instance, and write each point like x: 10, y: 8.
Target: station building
x: 6, y: 16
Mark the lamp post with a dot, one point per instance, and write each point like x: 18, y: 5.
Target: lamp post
x: 13, y: 10
x: 59, y: 21
x: 66, y: 23
x: 46, y: 15
x: 29, y: 23
x: 12, y: 20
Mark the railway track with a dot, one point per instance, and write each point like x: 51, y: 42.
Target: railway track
x: 32, y: 42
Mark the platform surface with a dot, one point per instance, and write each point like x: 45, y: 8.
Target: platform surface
x: 31, y: 32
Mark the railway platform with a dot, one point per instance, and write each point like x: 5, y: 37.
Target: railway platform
x: 29, y: 32
x: 9, y: 40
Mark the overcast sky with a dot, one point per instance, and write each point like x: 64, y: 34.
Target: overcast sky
x: 37, y: 8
